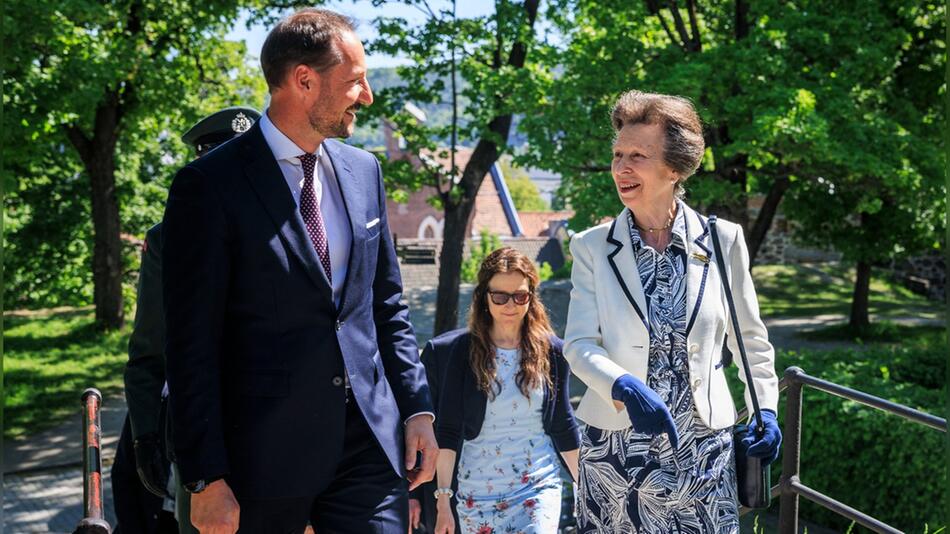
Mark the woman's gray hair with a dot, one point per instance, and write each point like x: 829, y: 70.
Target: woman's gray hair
x: 683, y: 146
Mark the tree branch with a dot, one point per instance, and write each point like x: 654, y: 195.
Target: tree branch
x: 680, y: 25
x: 694, y: 25
x: 742, y: 19
x: 669, y: 32
x: 79, y: 140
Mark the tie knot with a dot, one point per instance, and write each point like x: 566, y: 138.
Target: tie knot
x: 308, y: 161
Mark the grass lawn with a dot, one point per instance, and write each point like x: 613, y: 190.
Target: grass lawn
x: 807, y: 290
x: 49, y: 359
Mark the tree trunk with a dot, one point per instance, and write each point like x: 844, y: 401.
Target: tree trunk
x: 763, y: 221
x: 732, y: 170
x: 98, y: 157
x: 860, y: 318
x: 450, y: 267
x: 456, y: 225
x: 107, y: 252
x: 457, y: 216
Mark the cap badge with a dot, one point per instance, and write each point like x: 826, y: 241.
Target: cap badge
x: 241, y: 123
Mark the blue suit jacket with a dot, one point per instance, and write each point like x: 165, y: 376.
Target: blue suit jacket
x: 255, y: 344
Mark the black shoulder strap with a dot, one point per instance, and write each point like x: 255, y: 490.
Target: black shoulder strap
x: 720, y: 262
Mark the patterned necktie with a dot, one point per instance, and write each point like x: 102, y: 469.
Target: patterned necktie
x: 310, y: 210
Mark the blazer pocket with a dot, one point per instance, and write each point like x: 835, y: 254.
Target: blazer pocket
x: 264, y: 382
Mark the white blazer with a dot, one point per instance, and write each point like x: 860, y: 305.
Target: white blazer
x: 607, y: 334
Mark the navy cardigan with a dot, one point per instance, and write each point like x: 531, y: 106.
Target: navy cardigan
x: 461, y: 407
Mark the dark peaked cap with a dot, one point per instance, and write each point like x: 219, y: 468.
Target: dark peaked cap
x: 221, y: 126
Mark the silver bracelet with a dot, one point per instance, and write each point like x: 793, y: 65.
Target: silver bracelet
x: 443, y: 491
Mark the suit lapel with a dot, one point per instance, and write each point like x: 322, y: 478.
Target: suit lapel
x: 353, y: 203
x: 268, y: 181
x: 697, y: 263
x: 624, y: 265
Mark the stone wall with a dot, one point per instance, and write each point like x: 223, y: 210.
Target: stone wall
x: 925, y: 274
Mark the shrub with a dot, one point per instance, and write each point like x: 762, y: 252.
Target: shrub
x: 545, y: 272
x: 479, y: 250
x: 881, y: 464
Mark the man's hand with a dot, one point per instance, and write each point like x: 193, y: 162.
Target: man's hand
x: 415, y: 514
x: 150, y: 464
x: 215, y: 510
x: 420, y: 438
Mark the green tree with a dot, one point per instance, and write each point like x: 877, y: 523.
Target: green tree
x: 872, y: 197
x: 704, y: 51
x: 523, y: 191
x: 795, y: 96
x: 96, y: 96
x: 490, y: 53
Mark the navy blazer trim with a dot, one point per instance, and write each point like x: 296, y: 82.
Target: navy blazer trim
x: 616, y: 270
x: 699, y: 241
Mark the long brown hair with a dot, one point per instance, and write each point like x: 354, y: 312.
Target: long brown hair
x: 535, y: 327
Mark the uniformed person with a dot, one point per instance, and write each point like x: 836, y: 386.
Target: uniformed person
x: 145, y: 373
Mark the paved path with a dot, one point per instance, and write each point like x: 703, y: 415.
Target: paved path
x: 42, y: 481
x: 784, y: 332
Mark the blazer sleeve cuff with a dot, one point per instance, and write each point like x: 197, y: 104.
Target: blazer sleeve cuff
x: 567, y: 440
x: 449, y: 438
x: 193, y: 467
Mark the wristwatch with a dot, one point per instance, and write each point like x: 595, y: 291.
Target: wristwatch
x: 200, y: 485
x: 443, y: 491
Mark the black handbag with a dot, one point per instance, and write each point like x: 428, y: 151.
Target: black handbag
x: 754, y: 479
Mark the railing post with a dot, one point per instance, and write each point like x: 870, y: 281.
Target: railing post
x: 94, y: 521
x: 791, y: 453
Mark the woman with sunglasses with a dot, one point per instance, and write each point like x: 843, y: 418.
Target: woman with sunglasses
x: 505, y: 423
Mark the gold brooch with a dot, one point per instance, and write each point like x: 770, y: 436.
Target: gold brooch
x: 701, y: 257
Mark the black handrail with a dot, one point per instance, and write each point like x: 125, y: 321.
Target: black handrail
x: 790, y: 486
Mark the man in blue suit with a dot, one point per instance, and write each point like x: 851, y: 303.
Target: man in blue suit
x: 296, y: 392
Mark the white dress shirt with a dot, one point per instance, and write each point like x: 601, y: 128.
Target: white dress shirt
x: 328, y: 195
x: 327, y: 192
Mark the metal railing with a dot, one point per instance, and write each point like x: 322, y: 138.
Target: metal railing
x: 94, y: 521
x: 790, y: 487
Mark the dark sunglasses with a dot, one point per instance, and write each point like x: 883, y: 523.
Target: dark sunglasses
x: 501, y: 298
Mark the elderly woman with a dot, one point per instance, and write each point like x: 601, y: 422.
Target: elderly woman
x: 505, y: 412
x: 645, y: 332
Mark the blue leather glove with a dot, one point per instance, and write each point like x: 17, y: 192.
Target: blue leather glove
x: 646, y: 409
x: 766, y: 447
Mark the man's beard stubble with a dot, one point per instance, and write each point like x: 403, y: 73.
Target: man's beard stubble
x: 328, y: 127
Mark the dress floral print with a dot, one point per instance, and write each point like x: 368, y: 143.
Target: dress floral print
x: 634, y: 483
x: 509, y: 476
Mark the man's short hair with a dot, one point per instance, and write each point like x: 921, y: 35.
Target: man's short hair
x: 307, y: 37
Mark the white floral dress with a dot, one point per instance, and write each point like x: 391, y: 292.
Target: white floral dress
x: 509, y: 476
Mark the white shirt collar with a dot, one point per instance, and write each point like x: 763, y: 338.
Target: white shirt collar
x: 281, y: 145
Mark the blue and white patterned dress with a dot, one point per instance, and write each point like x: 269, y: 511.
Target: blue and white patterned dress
x: 633, y: 483
x: 509, y: 476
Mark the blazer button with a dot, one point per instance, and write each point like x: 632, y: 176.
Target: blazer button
x: 339, y: 325
x: 697, y: 382
x: 337, y: 381
x: 694, y: 348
